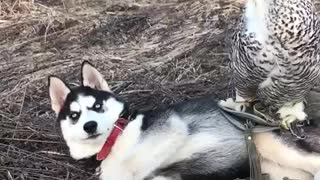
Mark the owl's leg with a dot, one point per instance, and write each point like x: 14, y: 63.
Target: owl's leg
x: 240, y: 104
x: 291, y: 113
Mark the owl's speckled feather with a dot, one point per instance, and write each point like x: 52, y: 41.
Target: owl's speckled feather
x: 275, y: 53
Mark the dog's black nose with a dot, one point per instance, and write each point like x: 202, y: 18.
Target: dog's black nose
x: 90, y: 127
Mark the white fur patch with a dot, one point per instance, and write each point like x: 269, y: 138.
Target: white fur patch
x: 317, y: 176
x: 161, y: 178
x: 274, y: 150
x: 86, y: 101
x: 278, y: 172
x: 133, y: 159
x: 199, y: 143
x: 128, y: 139
x: 74, y: 106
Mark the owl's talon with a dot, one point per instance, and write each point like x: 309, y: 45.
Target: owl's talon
x: 242, y: 108
x: 290, y: 114
x: 293, y: 118
x: 303, y: 123
x: 294, y: 126
x: 286, y: 122
x: 231, y: 104
x: 297, y: 130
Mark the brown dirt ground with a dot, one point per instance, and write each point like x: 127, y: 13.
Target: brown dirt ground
x: 151, y: 52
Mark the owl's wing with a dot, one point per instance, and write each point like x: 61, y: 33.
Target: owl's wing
x: 243, y: 51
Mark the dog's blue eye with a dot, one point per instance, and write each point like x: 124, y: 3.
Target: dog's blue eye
x: 74, y: 115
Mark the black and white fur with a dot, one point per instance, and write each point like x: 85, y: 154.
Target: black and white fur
x: 191, y: 140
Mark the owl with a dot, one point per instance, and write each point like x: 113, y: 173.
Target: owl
x: 274, y: 57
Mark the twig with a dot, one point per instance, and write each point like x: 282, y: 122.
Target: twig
x: 133, y: 91
x: 46, y: 158
x: 52, y: 152
x: 9, y: 175
x: 31, y: 140
x: 22, y: 103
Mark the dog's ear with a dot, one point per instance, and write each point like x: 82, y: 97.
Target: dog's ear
x: 58, y: 92
x: 92, y: 78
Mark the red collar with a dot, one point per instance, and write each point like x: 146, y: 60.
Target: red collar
x: 119, y: 126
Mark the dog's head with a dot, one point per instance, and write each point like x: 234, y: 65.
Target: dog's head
x: 86, y: 113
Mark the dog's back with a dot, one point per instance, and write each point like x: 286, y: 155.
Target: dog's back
x: 214, y: 149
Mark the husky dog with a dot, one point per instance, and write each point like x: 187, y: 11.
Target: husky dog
x: 190, y: 140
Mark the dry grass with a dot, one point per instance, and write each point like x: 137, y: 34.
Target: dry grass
x: 151, y: 52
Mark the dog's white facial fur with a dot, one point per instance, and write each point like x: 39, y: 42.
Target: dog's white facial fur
x: 81, y: 143
x: 75, y: 135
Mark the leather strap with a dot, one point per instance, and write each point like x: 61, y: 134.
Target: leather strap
x: 240, y: 118
x: 250, y: 124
